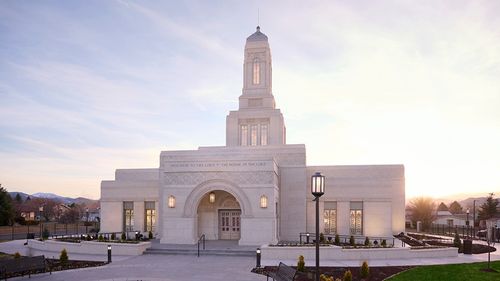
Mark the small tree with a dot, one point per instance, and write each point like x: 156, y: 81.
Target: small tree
x: 348, y: 276
x: 101, y: 238
x: 352, y: 241
x: 367, y: 241
x: 337, y: 239
x: 321, y: 238
x: 17, y: 255
x: 301, y: 264
x: 150, y: 235
x: 365, y: 270
x: 124, y: 237
x: 457, y: 242
x: 113, y: 236
x: 384, y: 243
x: 63, y: 258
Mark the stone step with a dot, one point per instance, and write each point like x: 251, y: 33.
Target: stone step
x: 208, y: 252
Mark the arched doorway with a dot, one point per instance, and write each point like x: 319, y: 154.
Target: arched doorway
x: 219, y: 216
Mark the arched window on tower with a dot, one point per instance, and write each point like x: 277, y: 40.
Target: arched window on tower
x: 256, y: 71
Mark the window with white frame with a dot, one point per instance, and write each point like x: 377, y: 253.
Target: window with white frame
x: 150, y: 216
x: 330, y: 217
x: 356, y: 219
x: 128, y: 215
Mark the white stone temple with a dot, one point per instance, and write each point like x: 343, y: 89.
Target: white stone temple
x: 256, y: 188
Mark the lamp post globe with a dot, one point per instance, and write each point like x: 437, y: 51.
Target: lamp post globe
x: 317, y: 190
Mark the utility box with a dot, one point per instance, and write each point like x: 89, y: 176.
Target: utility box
x: 467, y: 246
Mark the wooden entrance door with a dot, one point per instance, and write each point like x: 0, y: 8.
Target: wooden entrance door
x: 229, y: 224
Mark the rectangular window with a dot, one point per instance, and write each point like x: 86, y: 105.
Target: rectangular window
x: 150, y: 216
x: 128, y: 215
x: 244, y: 135
x: 330, y: 217
x: 356, y: 225
x: 253, y: 134
x: 256, y: 72
x: 263, y: 134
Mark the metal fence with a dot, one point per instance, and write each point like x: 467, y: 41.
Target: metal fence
x: 463, y: 231
x: 60, y: 229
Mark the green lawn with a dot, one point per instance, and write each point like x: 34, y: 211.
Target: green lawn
x: 455, y: 272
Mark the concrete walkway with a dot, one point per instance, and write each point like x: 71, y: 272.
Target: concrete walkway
x: 209, y: 268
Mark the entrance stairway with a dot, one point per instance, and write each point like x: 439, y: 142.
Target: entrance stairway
x: 212, y: 248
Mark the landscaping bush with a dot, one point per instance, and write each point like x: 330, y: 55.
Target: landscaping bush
x: 63, y: 258
x: 348, y: 276
x: 364, y: 271
x: 17, y: 255
x: 124, y: 237
x: 321, y: 238
x: 384, y: 243
x: 301, y: 264
x: 89, y: 238
x: 45, y: 234
x: 367, y: 241
x: 457, y: 242
x: 324, y: 277
x: 337, y: 240
x: 101, y: 238
x: 150, y: 235
x: 352, y: 241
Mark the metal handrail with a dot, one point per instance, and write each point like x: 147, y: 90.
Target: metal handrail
x: 201, y: 239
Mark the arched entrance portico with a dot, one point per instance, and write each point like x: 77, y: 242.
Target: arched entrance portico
x: 219, y: 216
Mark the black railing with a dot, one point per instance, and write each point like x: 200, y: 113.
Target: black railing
x: 201, y: 240
x: 53, y: 228
x: 463, y: 231
x: 309, y: 237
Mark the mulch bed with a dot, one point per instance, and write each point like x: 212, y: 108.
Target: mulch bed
x: 377, y: 273
x: 476, y: 248
x: 56, y: 265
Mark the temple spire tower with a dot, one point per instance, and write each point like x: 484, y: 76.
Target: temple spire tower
x: 257, y: 121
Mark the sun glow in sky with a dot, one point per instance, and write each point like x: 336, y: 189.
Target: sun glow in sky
x: 90, y: 86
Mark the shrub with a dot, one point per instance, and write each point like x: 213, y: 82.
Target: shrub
x: 365, y: 270
x: 45, y: 234
x: 17, y: 255
x: 337, y: 279
x: 101, y: 238
x: 301, y: 264
x: 367, y: 241
x: 352, y: 241
x: 124, y: 237
x: 63, y: 258
x: 150, y: 235
x: 324, y: 277
x: 384, y: 243
x: 321, y: 238
x: 113, y: 236
x: 89, y: 238
x: 337, y: 240
x: 348, y: 276
x: 456, y: 241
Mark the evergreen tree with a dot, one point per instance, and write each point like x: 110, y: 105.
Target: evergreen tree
x: 18, y: 198
x: 6, y: 210
x: 489, y: 208
x: 456, y: 208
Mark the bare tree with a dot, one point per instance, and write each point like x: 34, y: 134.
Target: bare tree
x: 422, y: 209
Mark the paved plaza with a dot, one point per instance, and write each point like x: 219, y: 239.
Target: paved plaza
x: 207, y: 268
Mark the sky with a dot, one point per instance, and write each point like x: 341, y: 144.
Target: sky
x: 87, y: 87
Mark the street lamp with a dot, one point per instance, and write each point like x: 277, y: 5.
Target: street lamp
x: 467, y: 222
x: 317, y: 189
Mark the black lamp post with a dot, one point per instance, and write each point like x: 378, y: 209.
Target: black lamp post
x: 317, y: 189
x: 467, y: 223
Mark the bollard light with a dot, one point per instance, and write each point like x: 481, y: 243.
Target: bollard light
x: 307, y: 238
x: 109, y: 253
x: 258, y: 257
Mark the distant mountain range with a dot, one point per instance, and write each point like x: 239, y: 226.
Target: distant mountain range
x: 62, y: 199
